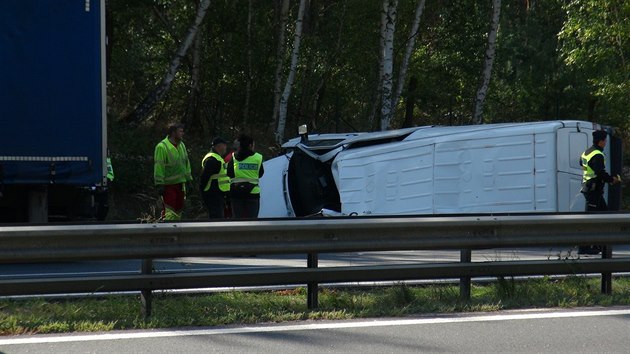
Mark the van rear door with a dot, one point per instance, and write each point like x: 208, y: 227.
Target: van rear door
x: 571, y: 142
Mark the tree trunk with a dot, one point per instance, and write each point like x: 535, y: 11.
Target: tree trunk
x: 387, y: 31
x: 148, y: 104
x: 378, y: 93
x: 482, y: 90
x: 277, y: 87
x: 248, y: 79
x: 317, y: 104
x: 411, y: 43
x: 410, y: 102
x: 192, y: 116
x: 284, y: 100
x: 334, y: 57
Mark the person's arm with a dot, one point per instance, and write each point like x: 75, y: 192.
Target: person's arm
x: 205, y: 176
x: 210, y: 167
x: 597, y: 164
x: 230, y: 168
x: 159, y: 161
x: 261, y: 172
x: 188, y: 169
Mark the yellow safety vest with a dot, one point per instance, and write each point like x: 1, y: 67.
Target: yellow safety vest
x: 222, y: 178
x: 110, y: 170
x: 248, y: 170
x: 171, y: 163
x: 588, y: 171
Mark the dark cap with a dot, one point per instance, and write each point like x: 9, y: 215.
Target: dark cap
x: 218, y: 140
x: 599, y: 135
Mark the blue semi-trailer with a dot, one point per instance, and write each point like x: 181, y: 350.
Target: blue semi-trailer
x: 53, y: 134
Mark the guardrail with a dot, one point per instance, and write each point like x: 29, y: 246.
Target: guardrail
x: 51, y: 243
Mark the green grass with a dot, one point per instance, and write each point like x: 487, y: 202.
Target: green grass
x: 21, y: 316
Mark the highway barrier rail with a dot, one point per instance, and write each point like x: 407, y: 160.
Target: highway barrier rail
x: 54, y: 243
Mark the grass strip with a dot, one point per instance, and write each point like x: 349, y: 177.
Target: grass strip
x: 46, y: 315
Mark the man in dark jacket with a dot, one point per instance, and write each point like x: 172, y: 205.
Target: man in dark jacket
x: 214, y: 183
x: 245, y: 169
x: 594, y: 179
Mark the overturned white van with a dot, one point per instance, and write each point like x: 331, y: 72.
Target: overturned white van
x: 494, y: 168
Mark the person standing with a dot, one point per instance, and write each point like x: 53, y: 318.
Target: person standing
x: 214, y: 183
x: 245, y: 169
x: 594, y: 179
x: 171, y: 172
x: 101, y: 195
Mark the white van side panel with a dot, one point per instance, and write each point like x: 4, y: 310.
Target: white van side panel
x: 393, y: 179
x: 485, y: 175
x: 545, y: 172
x: 514, y: 173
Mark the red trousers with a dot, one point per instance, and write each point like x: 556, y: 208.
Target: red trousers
x: 173, y: 198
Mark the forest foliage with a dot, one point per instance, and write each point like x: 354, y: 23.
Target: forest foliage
x: 555, y: 59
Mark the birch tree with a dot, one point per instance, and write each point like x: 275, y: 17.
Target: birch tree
x: 388, y: 27
x: 277, y: 87
x: 411, y: 43
x: 151, y: 100
x: 376, y: 102
x: 248, y: 79
x: 284, y: 100
x: 482, y: 90
x: 192, y: 115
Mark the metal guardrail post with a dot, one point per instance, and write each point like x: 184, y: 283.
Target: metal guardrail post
x: 607, y: 253
x: 312, y: 288
x: 465, y: 256
x: 146, y: 296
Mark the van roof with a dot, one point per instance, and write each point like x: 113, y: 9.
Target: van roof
x: 334, y: 140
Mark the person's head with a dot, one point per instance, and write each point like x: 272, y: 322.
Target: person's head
x: 219, y: 145
x: 599, y: 138
x: 245, y: 142
x: 176, y: 132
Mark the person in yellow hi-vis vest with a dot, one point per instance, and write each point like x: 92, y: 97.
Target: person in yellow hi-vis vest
x: 245, y: 168
x: 594, y: 179
x: 171, y: 172
x: 101, y: 195
x: 214, y: 182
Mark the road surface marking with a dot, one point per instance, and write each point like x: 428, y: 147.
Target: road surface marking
x: 458, y: 318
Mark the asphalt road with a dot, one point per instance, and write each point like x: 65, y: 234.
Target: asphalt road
x: 550, y: 331
x: 325, y: 260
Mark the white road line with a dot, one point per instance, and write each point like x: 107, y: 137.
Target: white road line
x: 38, y: 339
